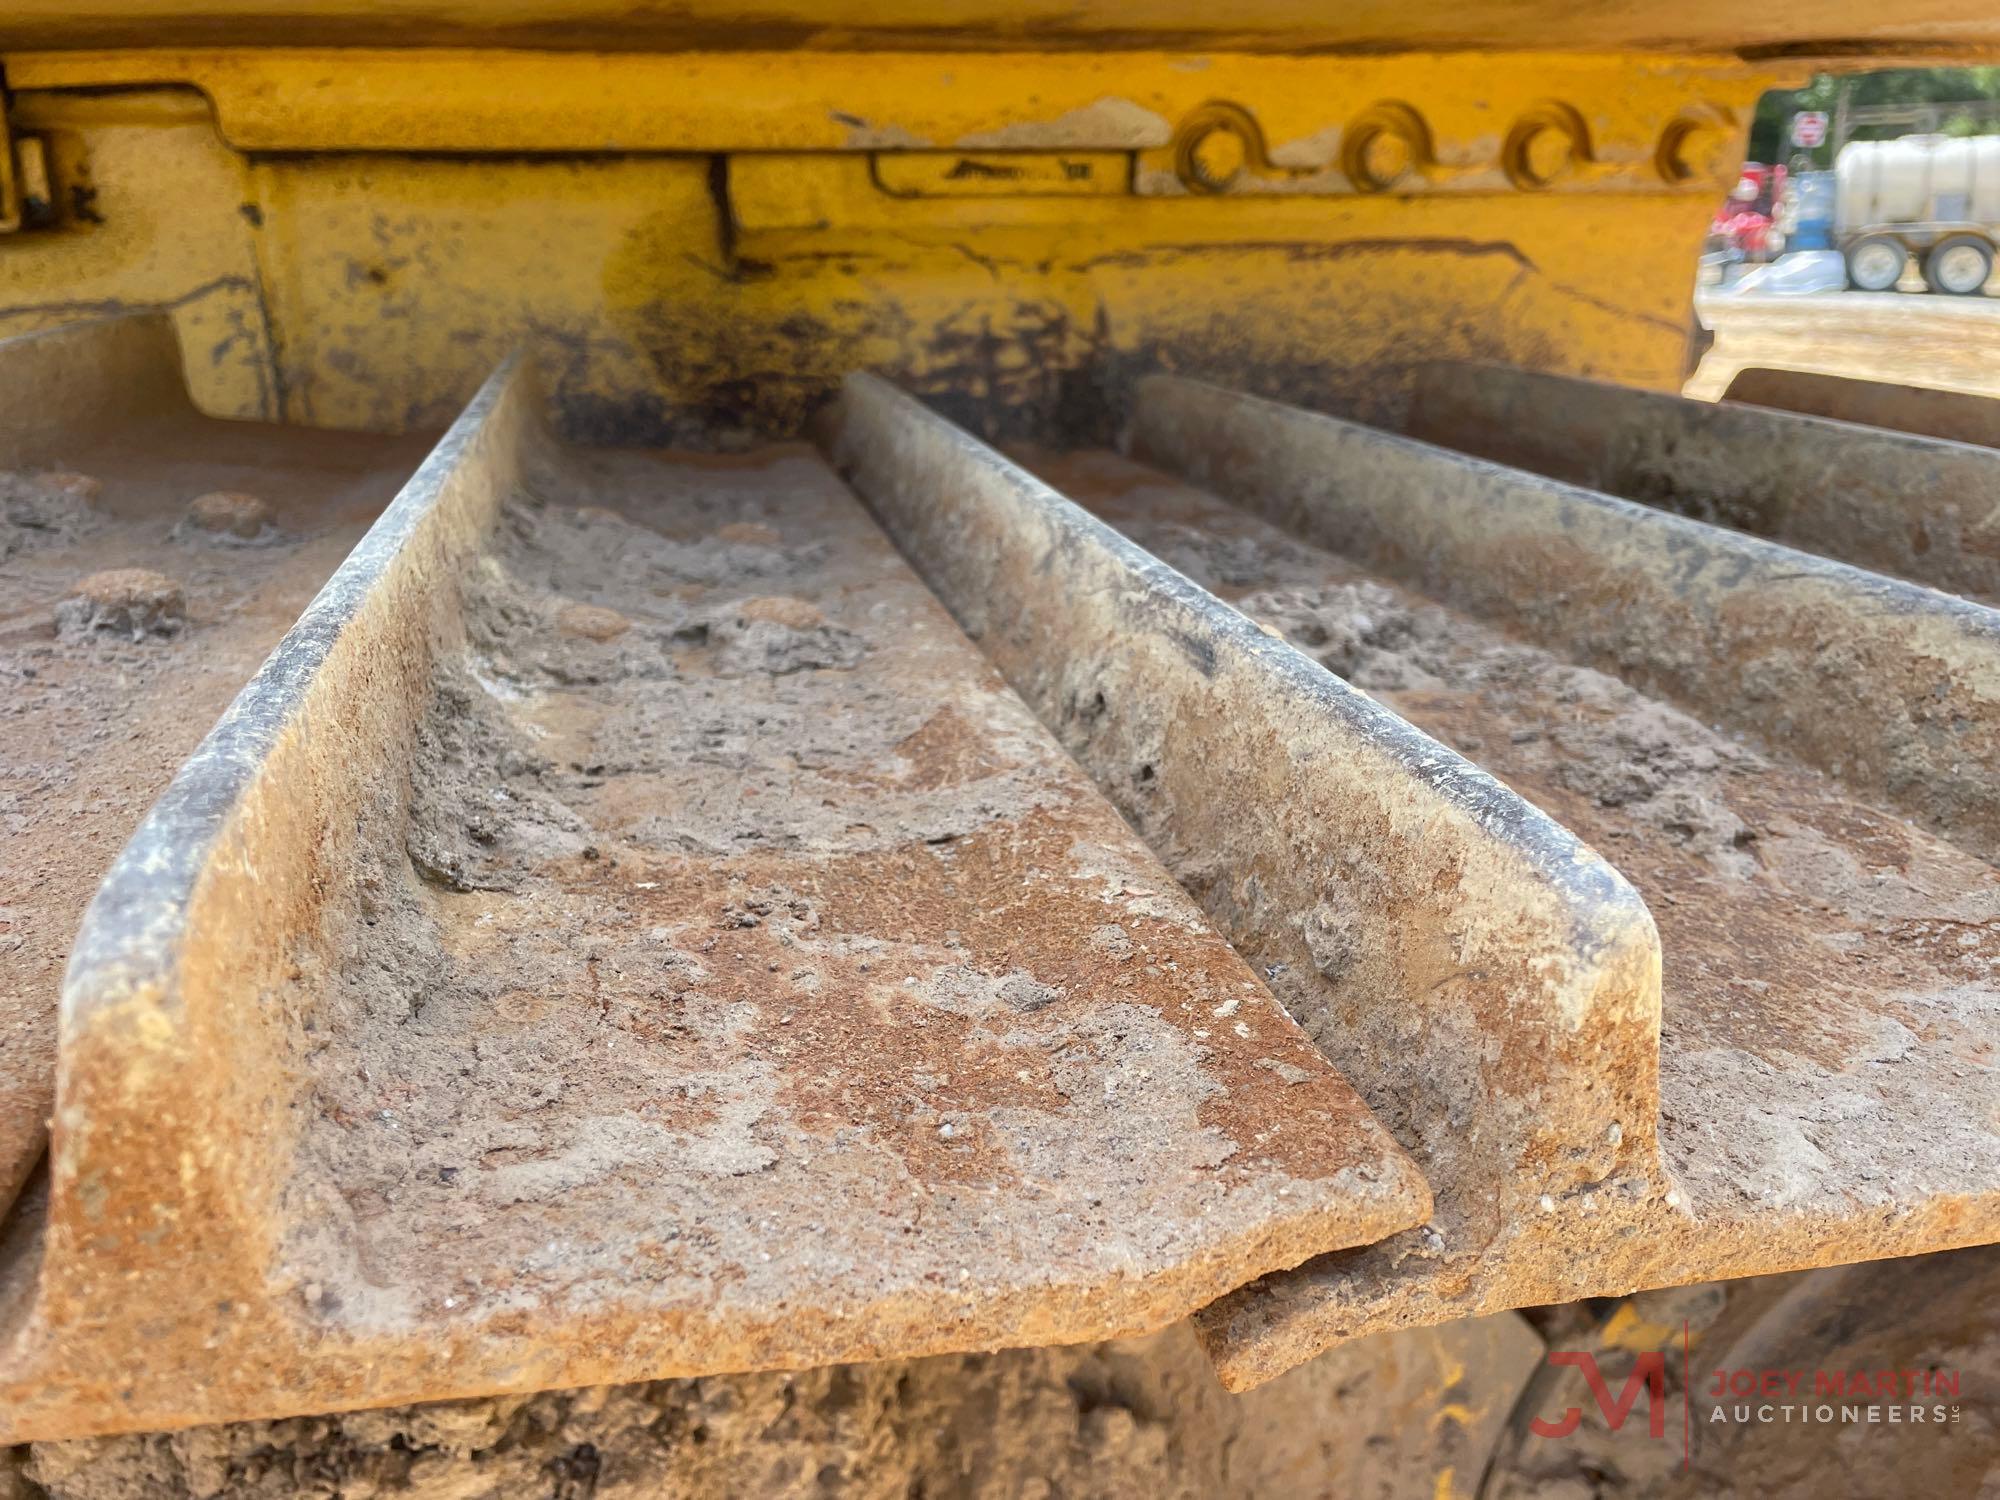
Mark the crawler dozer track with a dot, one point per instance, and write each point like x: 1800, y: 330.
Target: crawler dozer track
x: 793, y: 708
x: 626, y: 929
x: 625, y: 864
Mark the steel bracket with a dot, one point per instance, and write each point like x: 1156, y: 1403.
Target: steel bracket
x: 25, y: 199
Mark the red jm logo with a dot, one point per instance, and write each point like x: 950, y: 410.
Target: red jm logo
x: 1649, y: 1373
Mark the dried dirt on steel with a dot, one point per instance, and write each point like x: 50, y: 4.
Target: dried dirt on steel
x: 94, y: 722
x: 1402, y: 1416
x: 1832, y: 973
x: 749, y: 959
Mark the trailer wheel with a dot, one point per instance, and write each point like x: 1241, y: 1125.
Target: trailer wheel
x: 1876, y: 264
x: 1959, y: 265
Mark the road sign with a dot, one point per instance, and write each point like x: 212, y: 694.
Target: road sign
x: 1809, y: 128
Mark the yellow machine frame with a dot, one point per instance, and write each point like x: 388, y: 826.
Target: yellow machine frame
x: 697, y: 244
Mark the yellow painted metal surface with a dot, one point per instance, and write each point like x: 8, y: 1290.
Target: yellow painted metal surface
x: 1836, y: 27
x: 381, y: 99
x: 153, y: 203
x: 700, y: 244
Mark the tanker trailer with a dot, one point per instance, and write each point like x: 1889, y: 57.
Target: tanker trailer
x: 1932, y: 198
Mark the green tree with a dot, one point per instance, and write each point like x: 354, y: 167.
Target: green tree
x: 1770, y: 130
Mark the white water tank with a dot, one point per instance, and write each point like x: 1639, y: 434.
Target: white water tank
x: 1920, y: 179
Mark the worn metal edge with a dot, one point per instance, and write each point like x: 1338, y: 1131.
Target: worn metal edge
x: 1019, y: 565
x: 1258, y: 1332
x: 850, y: 436
x: 1673, y: 605
x: 145, y: 1060
x: 1891, y: 501
x: 131, y: 927
x: 1549, y: 849
x: 1952, y: 416
x: 165, y: 1153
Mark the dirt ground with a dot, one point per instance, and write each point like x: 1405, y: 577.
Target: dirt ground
x: 125, y: 630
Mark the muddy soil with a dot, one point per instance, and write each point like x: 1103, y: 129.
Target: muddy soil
x: 104, y: 691
x: 1811, y: 943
